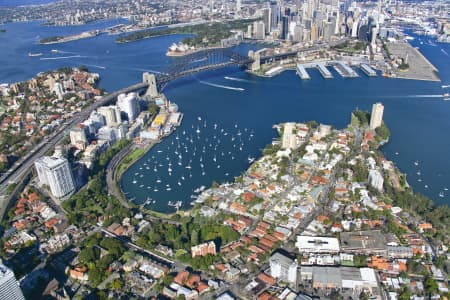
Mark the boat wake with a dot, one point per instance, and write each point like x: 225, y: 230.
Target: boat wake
x: 425, y: 96
x: 95, y: 66
x: 61, y: 51
x: 63, y: 57
x: 445, y: 52
x: 239, y: 79
x: 222, y: 86
x: 415, y: 96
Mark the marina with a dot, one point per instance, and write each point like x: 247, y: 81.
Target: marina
x: 167, y: 172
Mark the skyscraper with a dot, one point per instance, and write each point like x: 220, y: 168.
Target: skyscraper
x: 259, y: 30
x: 376, y: 118
x: 297, y: 35
x: 314, y: 32
x: 238, y: 6
x: 56, y: 173
x: 9, y: 287
x: 285, y: 27
x: 275, y: 15
x: 266, y: 19
x: 129, y: 105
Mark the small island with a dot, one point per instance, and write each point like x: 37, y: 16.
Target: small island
x: 63, y: 39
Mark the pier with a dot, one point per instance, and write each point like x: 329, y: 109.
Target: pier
x: 368, y: 70
x: 344, y: 70
x: 301, y: 71
x: 323, y: 70
x: 341, y: 67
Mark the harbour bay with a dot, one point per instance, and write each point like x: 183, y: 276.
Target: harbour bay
x: 242, y: 103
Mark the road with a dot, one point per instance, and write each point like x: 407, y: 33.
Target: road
x: 24, y: 165
x: 113, y: 189
x: 129, y: 244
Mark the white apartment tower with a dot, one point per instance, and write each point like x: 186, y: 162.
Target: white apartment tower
x: 78, y: 136
x: 376, y: 118
x: 283, y: 268
x: 9, y: 287
x: 111, y: 114
x: 56, y: 173
x: 129, y: 105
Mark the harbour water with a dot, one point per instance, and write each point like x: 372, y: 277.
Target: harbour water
x: 238, y: 102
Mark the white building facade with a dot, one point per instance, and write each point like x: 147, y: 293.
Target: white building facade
x: 56, y: 173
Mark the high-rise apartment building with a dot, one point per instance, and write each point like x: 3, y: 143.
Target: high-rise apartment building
x: 129, y: 105
x: 111, y: 114
x: 283, y: 268
x: 56, y: 173
x: 9, y: 287
x: 376, y: 118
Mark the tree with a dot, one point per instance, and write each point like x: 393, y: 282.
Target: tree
x: 431, y: 285
x: 88, y: 255
x: 383, y: 132
x: 153, y: 109
x: 113, y: 246
x: 194, y: 237
x: 312, y: 124
x: 364, y: 296
x: 363, y: 117
x: 405, y: 293
x: 96, y: 276
x: 83, y: 68
x: 117, y: 284
x: 360, y: 260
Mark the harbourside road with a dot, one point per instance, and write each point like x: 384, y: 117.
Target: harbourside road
x: 24, y: 165
x: 111, y: 175
x: 112, y: 179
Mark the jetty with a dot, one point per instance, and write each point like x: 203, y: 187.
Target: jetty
x: 301, y: 71
x: 368, y: 70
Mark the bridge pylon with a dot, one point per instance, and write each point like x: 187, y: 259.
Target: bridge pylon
x: 150, y: 79
x: 256, y: 57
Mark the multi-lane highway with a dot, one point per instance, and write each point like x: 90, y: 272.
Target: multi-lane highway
x: 24, y: 165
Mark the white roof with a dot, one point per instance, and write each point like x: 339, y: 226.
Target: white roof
x: 225, y: 296
x: 51, y: 162
x: 317, y: 244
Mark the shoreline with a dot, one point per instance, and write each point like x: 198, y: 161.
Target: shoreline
x: 290, y: 68
x: 119, y: 168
